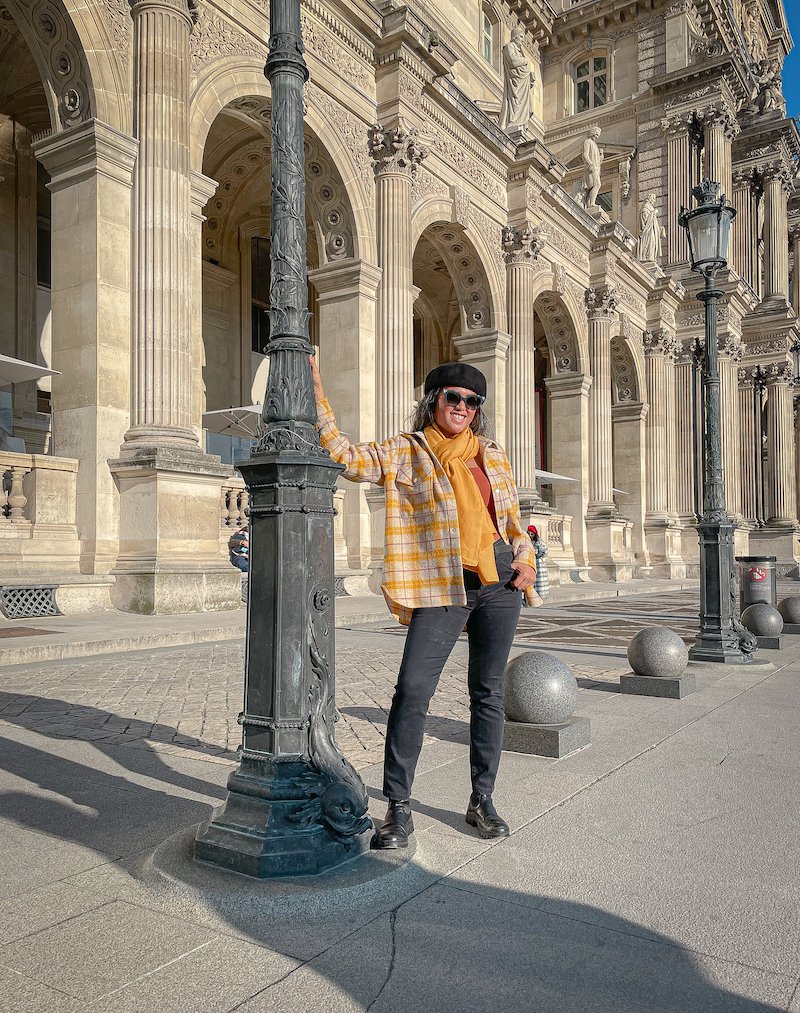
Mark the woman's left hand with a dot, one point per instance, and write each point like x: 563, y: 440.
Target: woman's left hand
x: 526, y: 576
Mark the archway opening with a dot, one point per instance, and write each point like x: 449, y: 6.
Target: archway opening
x: 25, y: 251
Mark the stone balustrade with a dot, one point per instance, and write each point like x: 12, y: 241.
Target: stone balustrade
x: 233, y: 507
x: 38, y: 529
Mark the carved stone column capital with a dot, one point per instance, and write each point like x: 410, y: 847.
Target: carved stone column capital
x: 777, y: 374
x: 395, y: 149
x: 523, y: 246
x: 720, y: 116
x: 744, y: 178
x: 600, y: 302
x: 732, y: 346
x: 777, y: 172
x: 661, y: 342
x: 676, y: 126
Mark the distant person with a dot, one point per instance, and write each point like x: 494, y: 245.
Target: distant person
x: 239, y: 548
x: 542, y: 585
x: 455, y: 556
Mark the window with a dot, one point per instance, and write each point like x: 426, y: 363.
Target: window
x: 259, y: 292
x: 591, y: 83
x: 606, y: 202
x: 490, y: 36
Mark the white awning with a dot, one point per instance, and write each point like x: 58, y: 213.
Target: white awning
x: 18, y: 370
x: 548, y: 476
x: 242, y: 422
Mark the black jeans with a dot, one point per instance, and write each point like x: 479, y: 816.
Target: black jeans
x: 490, y: 616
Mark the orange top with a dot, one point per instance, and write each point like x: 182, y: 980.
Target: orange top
x: 485, y: 489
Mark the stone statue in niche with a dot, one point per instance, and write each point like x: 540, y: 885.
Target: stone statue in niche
x: 751, y: 26
x: 592, y: 161
x: 517, y: 83
x: 651, y: 232
x: 769, y: 97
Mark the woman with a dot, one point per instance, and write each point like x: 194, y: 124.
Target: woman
x: 451, y: 512
x: 542, y: 585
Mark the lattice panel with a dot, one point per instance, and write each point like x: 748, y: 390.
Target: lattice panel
x: 28, y: 602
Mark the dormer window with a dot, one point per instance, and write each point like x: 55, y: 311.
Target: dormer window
x: 591, y: 83
x: 490, y: 36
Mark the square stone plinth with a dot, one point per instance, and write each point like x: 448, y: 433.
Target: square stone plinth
x: 546, y: 740
x: 652, y: 685
x: 793, y: 629
x: 772, y: 643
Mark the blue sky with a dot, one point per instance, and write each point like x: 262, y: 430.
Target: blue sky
x: 791, y: 68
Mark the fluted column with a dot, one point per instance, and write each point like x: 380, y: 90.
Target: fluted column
x: 676, y: 130
x: 744, y: 246
x: 781, y: 479
x: 776, y: 234
x: 685, y: 434
x: 161, y: 397
x: 521, y: 248
x: 749, y: 447
x: 601, y: 304
x: 395, y: 155
x: 794, y: 240
x: 720, y: 128
x: 657, y: 346
x: 730, y: 355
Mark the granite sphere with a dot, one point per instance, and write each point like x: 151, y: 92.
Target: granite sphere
x: 657, y: 651
x: 789, y: 608
x: 539, y: 689
x: 763, y: 620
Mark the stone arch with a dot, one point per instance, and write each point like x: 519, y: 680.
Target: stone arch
x: 567, y: 346
x: 242, y: 176
x: 60, y: 58
x: 440, y: 210
x: 627, y: 367
x: 344, y: 138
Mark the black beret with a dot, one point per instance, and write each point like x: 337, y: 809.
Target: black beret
x: 456, y: 374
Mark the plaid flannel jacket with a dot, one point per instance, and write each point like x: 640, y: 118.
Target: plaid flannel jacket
x: 422, y: 549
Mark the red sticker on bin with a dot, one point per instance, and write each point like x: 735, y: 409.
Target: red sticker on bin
x: 756, y: 573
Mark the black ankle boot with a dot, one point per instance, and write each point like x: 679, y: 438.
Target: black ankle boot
x: 396, y: 827
x: 482, y: 814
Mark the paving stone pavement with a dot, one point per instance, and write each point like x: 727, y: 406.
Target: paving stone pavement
x: 188, y: 698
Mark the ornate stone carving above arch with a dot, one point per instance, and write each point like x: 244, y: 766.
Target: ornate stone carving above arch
x: 565, y: 343
x: 248, y: 168
x: 55, y: 45
x: 341, y: 134
x: 452, y: 243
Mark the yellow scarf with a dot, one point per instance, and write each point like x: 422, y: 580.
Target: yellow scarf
x: 474, y: 522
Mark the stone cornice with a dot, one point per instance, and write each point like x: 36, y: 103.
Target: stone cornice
x: 80, y: 152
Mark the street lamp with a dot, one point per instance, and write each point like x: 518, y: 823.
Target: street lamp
x: 707, y: 228
x: 294, y: 804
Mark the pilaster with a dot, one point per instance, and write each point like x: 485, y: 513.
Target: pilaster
x: 347, y: 294
x: 91, y: 167
x: 776, y: 183
x: 396, y: 153
x: 601, y: 304
x: 487, y: 350
x: 679, y: 149
x: 568, y: 394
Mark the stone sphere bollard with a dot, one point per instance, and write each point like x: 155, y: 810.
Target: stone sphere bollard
x: 763, y: 620
x: 539, y: 689
x: 789, y: 608
x: 659, y: 652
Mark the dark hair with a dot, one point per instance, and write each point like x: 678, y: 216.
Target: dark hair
x: 425, y: 415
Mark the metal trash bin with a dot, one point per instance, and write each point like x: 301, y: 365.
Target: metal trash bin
x: 757, y: 580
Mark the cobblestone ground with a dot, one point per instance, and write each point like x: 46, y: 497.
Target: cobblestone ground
x: 188, y: 698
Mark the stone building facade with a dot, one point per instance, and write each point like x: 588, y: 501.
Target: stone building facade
x: 134, y: 259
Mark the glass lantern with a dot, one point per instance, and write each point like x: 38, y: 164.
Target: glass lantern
x: 708, y: 227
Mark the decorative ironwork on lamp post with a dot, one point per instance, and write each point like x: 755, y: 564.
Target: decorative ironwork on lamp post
x: 294, y: 804
x: 722, y: 637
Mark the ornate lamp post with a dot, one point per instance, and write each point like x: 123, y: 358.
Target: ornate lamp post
x: 707, y: 227
x: 294, y: 804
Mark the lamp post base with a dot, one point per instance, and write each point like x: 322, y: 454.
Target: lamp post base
x: 720, y: 641
x: 282, y: 819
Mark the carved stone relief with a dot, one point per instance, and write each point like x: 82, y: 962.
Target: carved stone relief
x: 325, y: 191
x: 323, y: 45
x: 467, y: 271
x: 425, y: 184
x: 623, y: 372
x: 559, y: 330
x: 214, y: 36
x: 60, y: 49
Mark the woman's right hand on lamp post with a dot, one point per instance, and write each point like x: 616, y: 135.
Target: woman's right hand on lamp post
x: 319, y: 393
